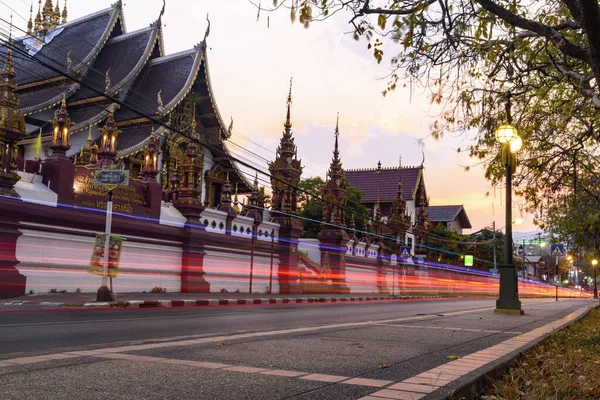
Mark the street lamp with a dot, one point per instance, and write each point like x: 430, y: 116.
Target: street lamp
x: 594, y: 262
x: 508, y: 300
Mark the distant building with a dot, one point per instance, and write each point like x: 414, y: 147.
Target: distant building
x: 381, y: 184
x: 453, y: 217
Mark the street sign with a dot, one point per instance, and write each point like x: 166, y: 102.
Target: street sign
x: 494, y: 270
x: 557, y: 250
x: 405, y: 251
x: 469, y: 259
x: 111, y: 178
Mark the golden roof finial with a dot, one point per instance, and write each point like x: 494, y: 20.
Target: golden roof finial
x: 288, y: 120
x: 289, y: 99
x: 64, y: 101
x: 8, y: 64
x: 38, y: 18
x: 89, y: 138
x: 56, y: 15
x: 64, y: 13
x: 30, y: 22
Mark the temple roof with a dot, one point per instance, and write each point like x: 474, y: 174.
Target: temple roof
x: 449, y: 214
x: 84, y: 37
x: 170, y: 75
x: 123, y: 57
x: 139, y: 70
x: 385, y: 184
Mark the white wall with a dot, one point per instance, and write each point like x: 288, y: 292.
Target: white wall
x: 60, y: 261
x: 231, y: 271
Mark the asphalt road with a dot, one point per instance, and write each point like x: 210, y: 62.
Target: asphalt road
x: 219, y: 352
x: 50, y: 329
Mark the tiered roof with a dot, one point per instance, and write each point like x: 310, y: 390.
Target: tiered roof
x: 130, y: 67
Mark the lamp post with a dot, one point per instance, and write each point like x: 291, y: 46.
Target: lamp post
x: 508, y: 300
x: 594, y: 262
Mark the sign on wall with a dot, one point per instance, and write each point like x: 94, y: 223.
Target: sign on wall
x: 469, y: 259
x: 114, y: 255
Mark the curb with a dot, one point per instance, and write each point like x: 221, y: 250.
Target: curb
x: 216, y: 302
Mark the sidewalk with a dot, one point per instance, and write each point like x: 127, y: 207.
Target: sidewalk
x: 136, y: 300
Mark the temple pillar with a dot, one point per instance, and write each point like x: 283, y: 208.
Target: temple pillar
x: 289, y: 233
x: 333, y: 246
x: 12, y: 283
x: 58, y: 172
x: 192, y: 261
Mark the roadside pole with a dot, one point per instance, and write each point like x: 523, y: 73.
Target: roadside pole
x: 109, y: 179
x: 494, y: 241
x: 556, y: 278
x: 104, y: 293
x: 271, y: 269
x: 252, y: 258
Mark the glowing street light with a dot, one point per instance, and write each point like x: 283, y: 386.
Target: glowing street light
x: 508, y: 300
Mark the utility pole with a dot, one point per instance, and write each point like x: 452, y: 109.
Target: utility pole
x: 494, y: 247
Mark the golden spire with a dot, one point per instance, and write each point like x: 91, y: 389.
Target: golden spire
x: 89, y: 138
x: 30, y: 22
x: 48, y: 15
x: 288, y: 122
x: 64, y: 13
x: 8, y: 64
x: 56, y: 15
x: 38, y: 18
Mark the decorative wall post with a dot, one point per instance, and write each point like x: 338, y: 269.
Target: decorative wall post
x: 285, y: 178
x: 58, y: 171
x: 186, y: 190
x: 333, y: 236
x: 12, y: 129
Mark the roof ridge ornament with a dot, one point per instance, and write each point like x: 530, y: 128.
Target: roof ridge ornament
x: 162, y: 12
x: 64, y: 13
x: 207, y: 29
x: 30, y: 22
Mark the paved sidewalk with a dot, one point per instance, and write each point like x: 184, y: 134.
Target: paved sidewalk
x: 136, y: 300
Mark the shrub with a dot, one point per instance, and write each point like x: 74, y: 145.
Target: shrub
x: 158, y: 289
x: 53, y: 291
x: 237, y: 291
x: 78, y: 290
x: 224, y: 290
x: 31, y: 291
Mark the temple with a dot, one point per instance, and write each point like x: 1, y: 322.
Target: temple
x: 83, y: 96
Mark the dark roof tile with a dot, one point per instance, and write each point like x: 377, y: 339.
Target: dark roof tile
x: 167, y: 74
x: 384, y: 184
x: 449, y: 214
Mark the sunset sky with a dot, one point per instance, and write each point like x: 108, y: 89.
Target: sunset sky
x: 251, y: 63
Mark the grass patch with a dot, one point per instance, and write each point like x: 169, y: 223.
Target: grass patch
x: 566, y: 366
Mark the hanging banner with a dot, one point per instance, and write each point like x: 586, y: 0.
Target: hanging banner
x: 114, y: 255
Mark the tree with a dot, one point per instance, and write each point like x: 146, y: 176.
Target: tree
x: 470, y: 52
x: 311, y: 207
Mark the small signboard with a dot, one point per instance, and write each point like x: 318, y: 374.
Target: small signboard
x: 405, y: 251
x: 557, y: 250
x: 111, y: 178
x: 494, y: 270
x: 114, y: 255
x: 469, y: 259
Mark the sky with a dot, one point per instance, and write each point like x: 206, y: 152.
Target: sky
x: 251, y: 62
